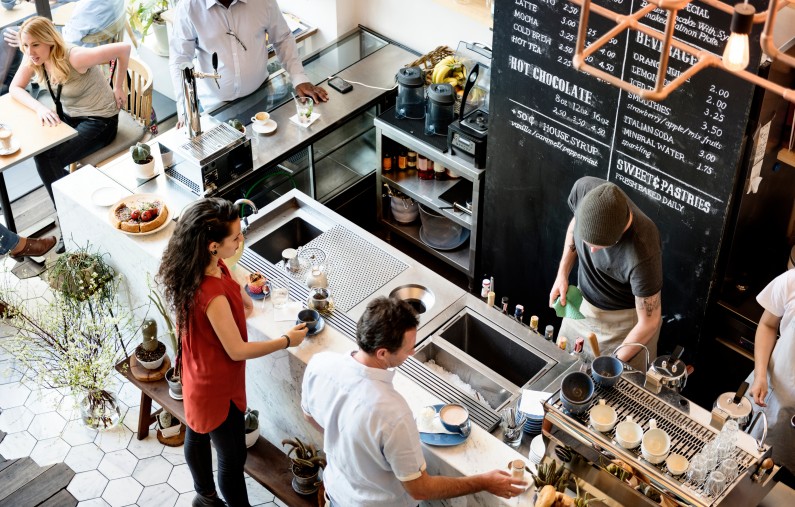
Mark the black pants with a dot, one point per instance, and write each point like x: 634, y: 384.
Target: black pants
x: 230, y: 444
x: 93, y: 133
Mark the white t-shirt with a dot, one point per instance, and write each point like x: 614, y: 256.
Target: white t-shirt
x: 370, y: 436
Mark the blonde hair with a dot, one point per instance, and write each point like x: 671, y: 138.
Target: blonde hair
x: 43, y: 31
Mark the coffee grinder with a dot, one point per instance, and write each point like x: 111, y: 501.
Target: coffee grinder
x: 468, y: 135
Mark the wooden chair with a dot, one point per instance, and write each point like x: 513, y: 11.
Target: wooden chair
x: 134, y: 119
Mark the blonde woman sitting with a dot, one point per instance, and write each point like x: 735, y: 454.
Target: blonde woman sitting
x: 79, y: 89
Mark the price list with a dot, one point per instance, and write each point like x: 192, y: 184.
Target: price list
x: 673, y: 151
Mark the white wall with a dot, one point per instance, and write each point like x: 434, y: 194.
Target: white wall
x: 419, y: 24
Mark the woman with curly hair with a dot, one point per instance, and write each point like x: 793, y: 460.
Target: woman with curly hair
x: 211, y: 310
x: 78, y: 88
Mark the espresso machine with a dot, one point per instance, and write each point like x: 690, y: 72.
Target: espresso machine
x: 209, y: 159
x: 587, y: 452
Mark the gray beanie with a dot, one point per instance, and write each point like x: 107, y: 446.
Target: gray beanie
x: 602, y: 215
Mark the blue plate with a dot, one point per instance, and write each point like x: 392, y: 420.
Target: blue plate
x: 321, y: 323
x: 442, y: 439
x: 266, y: 291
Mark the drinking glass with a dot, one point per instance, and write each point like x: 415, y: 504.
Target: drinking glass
x: 716, y: 482
x: 697, y: 471
x: 710, y: 454
x: 729, y: 468
x: 725, y: 447
x: 280, y: 292
x: 512, y: 430
x: 304, y: 106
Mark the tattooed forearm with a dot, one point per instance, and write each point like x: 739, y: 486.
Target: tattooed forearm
x: 572, y: 248
x: 650, y: 304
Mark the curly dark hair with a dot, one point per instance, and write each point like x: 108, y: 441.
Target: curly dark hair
x: 383, y: 324
x: 186, y: 256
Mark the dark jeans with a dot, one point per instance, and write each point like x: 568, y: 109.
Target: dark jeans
x: 230, y: 444
x: 93, y: 133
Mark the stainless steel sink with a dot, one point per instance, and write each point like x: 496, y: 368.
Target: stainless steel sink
x: 296, y: 232
x: 497, y: 349
x: 419, y: 297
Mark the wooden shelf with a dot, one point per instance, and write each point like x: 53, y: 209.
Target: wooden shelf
x: 787, y: 156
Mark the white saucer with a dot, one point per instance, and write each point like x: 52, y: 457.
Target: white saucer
x: 267, y: 128
x: 14, y: 148
x: 106, y: 196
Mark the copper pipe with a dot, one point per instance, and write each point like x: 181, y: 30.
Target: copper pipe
x: 766, y: 40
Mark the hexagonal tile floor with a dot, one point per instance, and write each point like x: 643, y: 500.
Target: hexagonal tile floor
x: 112, y: 467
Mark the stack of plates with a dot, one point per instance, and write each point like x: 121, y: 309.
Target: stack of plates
x: 537, y: 449
x: 532, y: 425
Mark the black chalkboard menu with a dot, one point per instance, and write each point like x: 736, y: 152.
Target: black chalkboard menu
x: 676, y: 159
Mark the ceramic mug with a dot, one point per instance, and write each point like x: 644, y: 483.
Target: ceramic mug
x: 655, y: 444
x: 310, y: 318
x: 10, y: 4
x: 629, y: 433
x: 454, y: 417
x: 260, y: 118
x: 6, y: 135
x: 603, y: 417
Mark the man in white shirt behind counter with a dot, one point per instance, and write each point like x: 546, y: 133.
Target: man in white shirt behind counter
x: 371, y: 440
x: 239, y: 31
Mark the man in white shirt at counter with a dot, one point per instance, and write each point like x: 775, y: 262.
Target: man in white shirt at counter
x: 239, y: 31
x: 371, y: 440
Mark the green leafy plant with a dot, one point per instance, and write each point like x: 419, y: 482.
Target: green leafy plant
x: 306, y: 460
x: 176, y: 343
x: 549, y: 474
x: 143, y: 13
x: 80, y: 273
x: 141, y: 153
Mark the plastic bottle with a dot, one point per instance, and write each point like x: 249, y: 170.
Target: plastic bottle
x: 549, y: 333
x: 485, y: 288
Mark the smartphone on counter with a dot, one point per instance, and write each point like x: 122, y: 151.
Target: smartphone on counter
x: 340, y: 85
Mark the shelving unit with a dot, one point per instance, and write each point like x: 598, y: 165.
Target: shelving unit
x: 410, y: 133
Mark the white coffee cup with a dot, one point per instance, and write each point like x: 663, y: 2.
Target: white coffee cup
x: 6, y: 136
x: 260, y: 118
x: 655, y: 444
x: 628, y: 433
x: 603, y: 417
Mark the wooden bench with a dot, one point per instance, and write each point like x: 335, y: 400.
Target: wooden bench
x: 266, y: 463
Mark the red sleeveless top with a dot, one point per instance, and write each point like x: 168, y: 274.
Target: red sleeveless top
x: 210, y: 378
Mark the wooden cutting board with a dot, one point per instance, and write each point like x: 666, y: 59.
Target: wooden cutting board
x: 144, y: 375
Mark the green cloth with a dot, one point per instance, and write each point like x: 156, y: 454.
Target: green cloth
x: 573, y: 302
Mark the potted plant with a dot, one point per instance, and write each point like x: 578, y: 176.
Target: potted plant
x: 237, y: 124
x: 151, y: 351
x: 167, y: 425
x: 80, y: 273
x: 173, y: 375
x: 147, y: 14
x: 145, y: 162
x: 306, y: 463
x: 72, y: 340
x: 252, y: 426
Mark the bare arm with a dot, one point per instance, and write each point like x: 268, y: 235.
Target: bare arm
x: 649, y: 311
x: 764, y: 343
x: 84, y: 58
x: 567, y: 260
x: 437, y: 487
x: 220, y: 314
x: 17, y: 90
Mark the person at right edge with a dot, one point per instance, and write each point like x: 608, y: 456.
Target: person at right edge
x: 619, y: 274
x: 773, y: 379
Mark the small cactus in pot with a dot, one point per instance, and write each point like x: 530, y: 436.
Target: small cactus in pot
x: 169, y: 426
x: 151, y: 352
x: 141, y: 153
x: 306, y: 464
x: 237, y: 124
x: 251, y: 421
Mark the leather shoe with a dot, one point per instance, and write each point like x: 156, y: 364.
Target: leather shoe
x: 36, y: 247
x: 207, y: 501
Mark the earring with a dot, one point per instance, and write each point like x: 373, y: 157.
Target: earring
x: 214, y: 252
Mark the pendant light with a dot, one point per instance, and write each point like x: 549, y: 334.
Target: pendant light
x: 737, y: 54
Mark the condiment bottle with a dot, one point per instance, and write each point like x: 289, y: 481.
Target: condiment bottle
x: 517, y: 469
x: 485, y: 288
x: 424, y: 168
x: 549, y: 333
x: 386, y: 165
x: 411, y: 160
x: 402, y: 160
x: 504, y: 302
x: 439, y: 172
x: 563, y: 342
x: 518, y: 312
x: 582, y: 358
x: 534, y: 322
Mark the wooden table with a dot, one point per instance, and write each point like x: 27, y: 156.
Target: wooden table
x: 17, y: 14
x: 33, y: 138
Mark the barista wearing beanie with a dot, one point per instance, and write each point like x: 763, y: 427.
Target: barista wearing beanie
x: 619, y: 273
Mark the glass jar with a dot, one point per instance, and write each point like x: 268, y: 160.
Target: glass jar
x: 424, y: 168
x: 386, y: 164
x: 99, y: 410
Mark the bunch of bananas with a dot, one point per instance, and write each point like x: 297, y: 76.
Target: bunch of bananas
x: 449, y: 70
